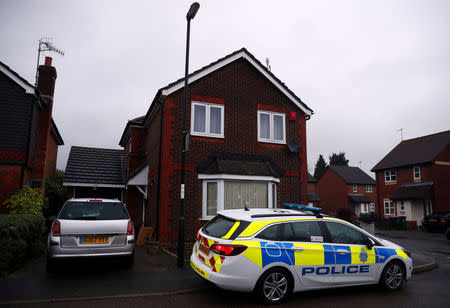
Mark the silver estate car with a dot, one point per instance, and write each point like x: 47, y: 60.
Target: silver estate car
x: 91, y: 228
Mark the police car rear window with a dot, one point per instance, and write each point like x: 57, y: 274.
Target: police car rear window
x: 218, y: 226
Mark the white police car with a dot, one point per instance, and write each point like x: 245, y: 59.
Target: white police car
x: 279, y: 251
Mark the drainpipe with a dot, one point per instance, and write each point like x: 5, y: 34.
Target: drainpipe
x: 159, y: 170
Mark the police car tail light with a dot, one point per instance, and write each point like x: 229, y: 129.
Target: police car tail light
x: 228, y: 250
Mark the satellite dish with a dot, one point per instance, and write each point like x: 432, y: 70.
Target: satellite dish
x: 293, y: 146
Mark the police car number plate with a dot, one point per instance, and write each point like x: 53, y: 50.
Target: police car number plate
x: 204, y: 249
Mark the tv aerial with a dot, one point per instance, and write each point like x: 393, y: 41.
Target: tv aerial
x: 45, y: 44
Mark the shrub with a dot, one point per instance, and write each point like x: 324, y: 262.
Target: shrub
x: 26, y: 201
x: 22, y: 236
x: 345, y: 214
x: 372, y: 217
x: 55, y: 194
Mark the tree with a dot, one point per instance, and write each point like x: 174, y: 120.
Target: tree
x: 320, y: 168
x: 55, y: 193
x: 338, y: 159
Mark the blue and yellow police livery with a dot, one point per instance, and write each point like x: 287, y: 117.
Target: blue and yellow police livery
x: 278, y: 251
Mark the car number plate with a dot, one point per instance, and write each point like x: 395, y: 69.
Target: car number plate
x: 432, y: 220
x: 94, y: 240
x: 199, y: 270
x: 204, y: 249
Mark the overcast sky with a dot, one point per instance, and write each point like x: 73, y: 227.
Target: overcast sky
x: 366, y: 68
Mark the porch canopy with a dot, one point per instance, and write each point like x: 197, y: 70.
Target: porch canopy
x: 414, y: 191
x: 359, y: 198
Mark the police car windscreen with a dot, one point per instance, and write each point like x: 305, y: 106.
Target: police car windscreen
x: 218, y: 226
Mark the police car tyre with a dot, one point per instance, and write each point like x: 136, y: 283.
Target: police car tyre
x: 274, y: 286
x: 393, y: 276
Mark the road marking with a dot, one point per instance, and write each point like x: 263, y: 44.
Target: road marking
x: 69, y: 299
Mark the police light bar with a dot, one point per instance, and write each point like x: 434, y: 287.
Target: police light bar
x: 315, y: 210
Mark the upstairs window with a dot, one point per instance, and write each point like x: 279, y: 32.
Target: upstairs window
x: 355, y: 188
x: 416, y: 172
x: 369, y: 188
x: 390, y: 176
x: 271, y: 127
x: 207, y: 120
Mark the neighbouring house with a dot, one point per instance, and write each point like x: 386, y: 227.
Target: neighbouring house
x: 29, y: 138
x: 347, y: 187
x: 95, y: 173
x: 313, y: 199
x: 413, y: 179
x: 247, y: 147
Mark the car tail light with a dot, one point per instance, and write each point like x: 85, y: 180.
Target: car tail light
x: 56, y: 228
x: 443, y: 220
x: 95, y: 200
x: 130, y: 228
x: 228, y: 250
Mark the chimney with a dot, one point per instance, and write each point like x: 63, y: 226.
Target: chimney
x: 46, y: 81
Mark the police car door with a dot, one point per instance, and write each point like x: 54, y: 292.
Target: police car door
x: 355, y: 261
x: 312, y: 258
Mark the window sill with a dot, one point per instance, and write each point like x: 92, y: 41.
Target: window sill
x: 272, y: 145
x: 209, y: 138
x: 390, y: 183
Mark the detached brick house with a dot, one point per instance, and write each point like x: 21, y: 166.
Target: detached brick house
x: 413, y: 179
x: 347, y: 187
x: 247, y: 147
x: 29, y: 138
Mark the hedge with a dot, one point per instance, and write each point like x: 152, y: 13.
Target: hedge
x: 22, y: 236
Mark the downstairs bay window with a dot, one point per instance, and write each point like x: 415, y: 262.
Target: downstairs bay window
x: 235, y: 192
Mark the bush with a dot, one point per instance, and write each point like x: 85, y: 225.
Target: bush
x: 22, y: 236
x: 372, y: 217
x: 26, y: 201
x: 55, y: 194
x: 345, y: 214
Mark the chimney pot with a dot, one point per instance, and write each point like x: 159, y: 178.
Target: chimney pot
x: 48, y: 61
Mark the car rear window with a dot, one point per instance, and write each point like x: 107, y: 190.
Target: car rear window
x: 85, y: 210
x: 218, y: 226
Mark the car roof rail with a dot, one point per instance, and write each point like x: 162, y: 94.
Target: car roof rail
x: 314, y: 210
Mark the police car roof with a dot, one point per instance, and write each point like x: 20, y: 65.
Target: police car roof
x: 264, y: 213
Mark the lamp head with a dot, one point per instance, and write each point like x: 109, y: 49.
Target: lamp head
x: 192, y: 10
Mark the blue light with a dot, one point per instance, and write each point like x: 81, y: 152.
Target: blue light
x: 303, y: 207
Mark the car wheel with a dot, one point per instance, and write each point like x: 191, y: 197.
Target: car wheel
x: 393, y: 276
x: 274, y: 286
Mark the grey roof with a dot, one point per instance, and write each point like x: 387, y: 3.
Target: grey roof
x: 312, y: 197
x: 95, y: 166
x: 352, y: 175
x: 230, y: 163
x: 415, y: 151
x: 359, y: 198
x: 311, y: 179
x: 413, y: 192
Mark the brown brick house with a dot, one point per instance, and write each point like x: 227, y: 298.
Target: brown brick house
x: 247, y: 146
x: 29, y: 138
x: 347, y: 187
x: 313, y: 198
x: 413, y: 179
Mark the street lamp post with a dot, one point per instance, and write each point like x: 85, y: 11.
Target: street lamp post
x: 190, y: 15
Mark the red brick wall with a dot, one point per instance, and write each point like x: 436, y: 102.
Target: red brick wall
x: 9, y: 183
x: 440, y: 172
x: 332, y: 191
x: 242, y: 89
x: 50, y: 158
x: 362, y: 190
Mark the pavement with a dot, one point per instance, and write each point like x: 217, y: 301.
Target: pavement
x: 155, y: 273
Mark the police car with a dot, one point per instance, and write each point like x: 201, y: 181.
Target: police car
x: 275, y: 252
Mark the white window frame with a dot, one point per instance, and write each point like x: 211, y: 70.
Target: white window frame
x: 389, y: 174
x: 369, y: 188
x: 272, y: 139
x: 220, y: 180
x: 207, y: 132
x: 389, y: 205
x: 371, y: 207
x: 355, y: 188
x: 402, y: 206
x: 416, y: 172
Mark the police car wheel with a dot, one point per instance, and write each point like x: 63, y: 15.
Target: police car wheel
x: 274, y: 286
x: 393, y: 276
